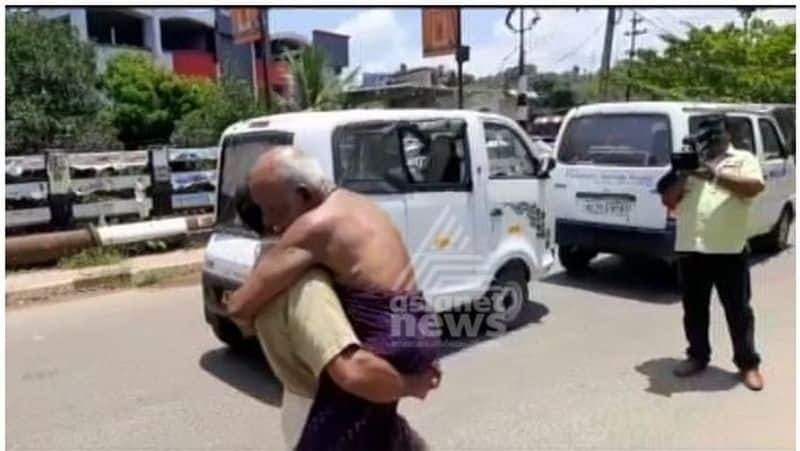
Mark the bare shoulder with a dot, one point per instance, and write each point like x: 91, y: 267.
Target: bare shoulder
x: 310, y: 228
x: 349, y: 202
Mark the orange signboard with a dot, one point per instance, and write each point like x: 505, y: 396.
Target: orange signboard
x: 439, y: 31
x: 246, y: 23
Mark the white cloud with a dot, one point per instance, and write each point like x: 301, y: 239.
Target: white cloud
x: 377, y: 41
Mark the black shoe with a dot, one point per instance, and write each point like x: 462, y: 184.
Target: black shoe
x: 689, y: 367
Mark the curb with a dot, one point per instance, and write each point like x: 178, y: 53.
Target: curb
x: 97, y: 279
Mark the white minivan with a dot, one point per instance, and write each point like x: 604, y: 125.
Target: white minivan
x: 611, y: 155
x: 465, y: 189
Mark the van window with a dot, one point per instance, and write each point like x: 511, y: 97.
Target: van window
x: 741, y: 130
x: 508, y: 156
x: 365, y: 154
x: 238, y: 156
x: 617, y: 139
x: 785, y: 116
x: 772, y: 144
x: 428, y: 155
x: 435, y: 153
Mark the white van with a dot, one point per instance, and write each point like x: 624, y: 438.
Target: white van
x: 610, y: 157
x: 465, y: 189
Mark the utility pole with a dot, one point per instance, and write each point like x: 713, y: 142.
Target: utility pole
x: 266, y: 54
x: 522, y: 82
x: 607, y: 44
x: 462, y: 55
x: 522, y: 44
x: 633, y: 32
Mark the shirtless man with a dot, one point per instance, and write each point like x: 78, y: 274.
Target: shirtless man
x: 318, y: 225
x: 356, y: 241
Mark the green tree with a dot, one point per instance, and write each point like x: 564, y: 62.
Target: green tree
x: 148, y: 100
x: 52, y: 97
x: 555, y: 91
x: 718, y: 65
x: 230, y: 101
x: 315, y: 86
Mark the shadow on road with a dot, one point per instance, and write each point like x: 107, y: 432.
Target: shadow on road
x: 637, y: 279
x: 530, y: 313
x: 245, y: 370
x: 664, y: 383
x: 758, y: 256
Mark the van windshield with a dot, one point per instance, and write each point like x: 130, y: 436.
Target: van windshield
x: 239, y: 154
x: 617, y: 139
x: 740, y: 128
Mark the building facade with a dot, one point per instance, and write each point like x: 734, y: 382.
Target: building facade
x: 192, y: 42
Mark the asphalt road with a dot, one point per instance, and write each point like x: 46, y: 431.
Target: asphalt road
x: 589, y: 368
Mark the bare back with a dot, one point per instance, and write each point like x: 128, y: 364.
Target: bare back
x: 364, y: 248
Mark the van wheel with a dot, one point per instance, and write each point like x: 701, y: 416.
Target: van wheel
x: 575, y: 259
x: 512, y: 283
x: 226, y: 331
x: 778, y: 237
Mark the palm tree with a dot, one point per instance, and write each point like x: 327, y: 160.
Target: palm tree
x: 314, y: 84
x: 745, y: 12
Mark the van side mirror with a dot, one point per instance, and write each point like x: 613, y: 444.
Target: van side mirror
x: 546, y: 164
x: 397, y: 178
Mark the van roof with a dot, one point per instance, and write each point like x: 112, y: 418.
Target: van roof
x: 675, y: 107
x: 331, y: 119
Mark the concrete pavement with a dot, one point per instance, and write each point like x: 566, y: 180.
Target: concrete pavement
x: 42, y: 284
x: 590, y: 368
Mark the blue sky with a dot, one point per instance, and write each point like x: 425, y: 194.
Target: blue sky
x: 381, y: 38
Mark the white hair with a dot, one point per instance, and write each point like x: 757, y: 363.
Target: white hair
x: 301, y: 169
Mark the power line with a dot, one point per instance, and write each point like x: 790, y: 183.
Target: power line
x: 619, y: 18
x: 505, y: 58
x: 581, y: 45
x: 657, y: 25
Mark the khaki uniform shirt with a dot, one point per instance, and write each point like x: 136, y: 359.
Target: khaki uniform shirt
x: 711, y: 219
x: 301, y: 331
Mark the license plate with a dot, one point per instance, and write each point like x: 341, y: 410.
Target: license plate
x: 613, y: 207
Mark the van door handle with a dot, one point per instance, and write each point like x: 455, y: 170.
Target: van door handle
x: 496, y: 212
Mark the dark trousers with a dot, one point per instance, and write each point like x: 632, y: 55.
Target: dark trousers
x: 730, y: 274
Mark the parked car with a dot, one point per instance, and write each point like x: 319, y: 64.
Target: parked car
x: 472, y: 218
x: 610, y: 157
x: 545, y: 128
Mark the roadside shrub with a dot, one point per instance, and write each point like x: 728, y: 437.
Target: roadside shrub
x: 93, y: 256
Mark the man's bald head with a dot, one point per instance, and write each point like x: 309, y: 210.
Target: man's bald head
x: 285, y: 183
x: 290, y: 165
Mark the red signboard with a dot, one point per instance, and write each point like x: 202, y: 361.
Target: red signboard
x: 439, y: 31
x: 197, y: 63
x: 246, y: 25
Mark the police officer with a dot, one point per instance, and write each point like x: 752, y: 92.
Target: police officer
x: 713, y: 204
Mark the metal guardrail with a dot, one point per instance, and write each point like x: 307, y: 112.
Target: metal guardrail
x: 59, y: 190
